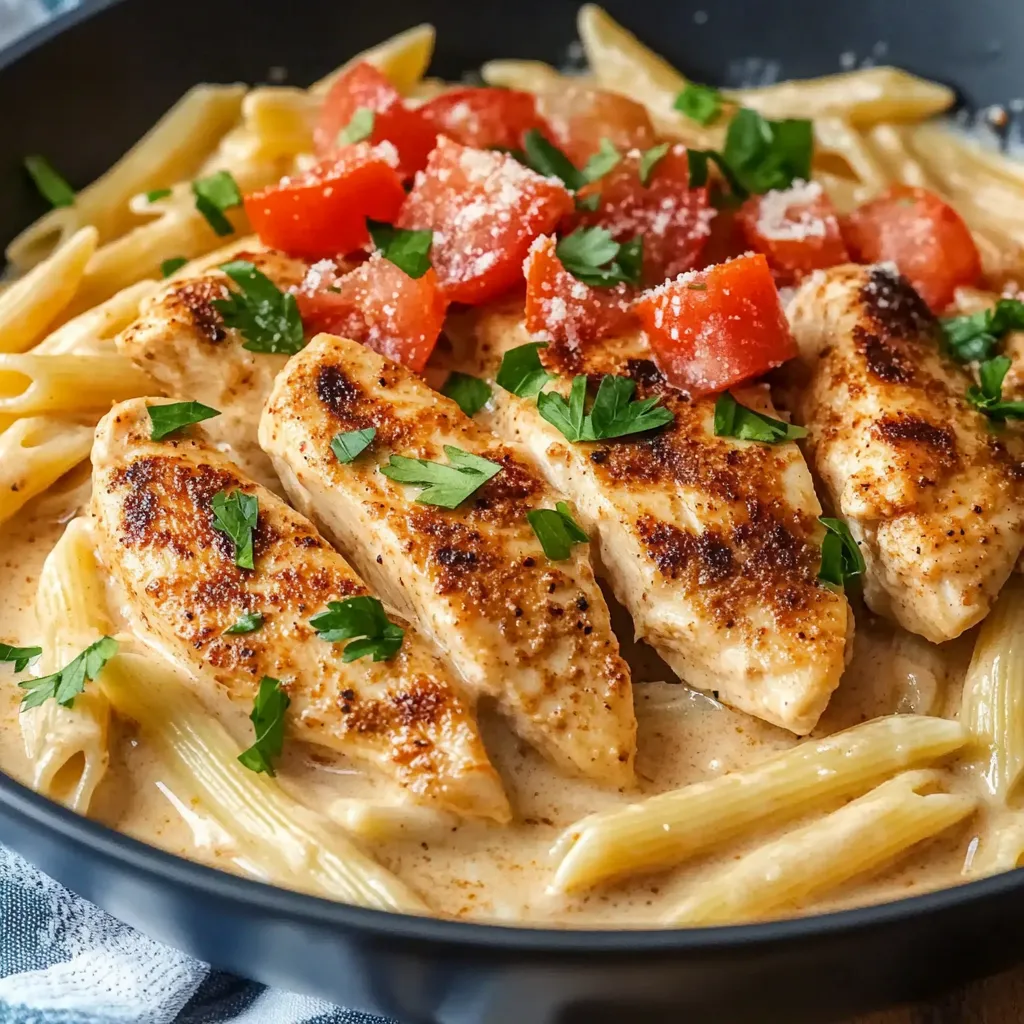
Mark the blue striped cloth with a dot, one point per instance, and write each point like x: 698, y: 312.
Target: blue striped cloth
x: 63, y: 960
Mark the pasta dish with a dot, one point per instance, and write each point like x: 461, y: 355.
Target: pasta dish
x: 586, y: 500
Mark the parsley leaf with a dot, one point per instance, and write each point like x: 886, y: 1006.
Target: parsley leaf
x: 267, y: 318
x: 51, y: 186
x: 248, y: 623
x: 237, y: 514
x: 214, y: 195
x: 352, y: 443
x: 469, y: 393
x: 613, y: 413
x: 21, y: 656
x: 590, y: 203
x: 64, y: 686
x: 267, y: 717
x: 408, y: 250
x: 446, y: 486
x: 699, y: 103
x: 592, y: 256
x: 649, y: 160
x: 166, y: 419
x: 764, y: 155
x: 841, y: 560
x: 988, y: 398
x: 556, y: 530
x: 359, y: 128
x: 606, y: 158
x: 546, y: 158
x: 735, y: 420
x: 157, y: 194
x: 521, y: 371
x: 363, y: 621
x: 974, y: 337
x: 168, y: 267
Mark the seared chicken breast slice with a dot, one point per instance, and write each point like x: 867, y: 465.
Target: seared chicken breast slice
x: 152, y: 502
x: 531, y: 632
x: 711, y: 543
x: 923, y: 480
x: 181, y: 341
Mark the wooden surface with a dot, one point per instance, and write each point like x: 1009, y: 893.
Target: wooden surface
x: 998, y: 1000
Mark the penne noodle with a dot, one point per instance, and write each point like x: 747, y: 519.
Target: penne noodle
x: 375, y: 822
x: 890, y: 145
x: 93, y: 331
x: 1001, y: 850
x: 172, y: 149
x: 33, y: 302
x: 403, y: 58
x: 861, y: 837
x: 841, y: 138
x: 663, y: 831
x: 280, y: 121
x: 528, y: 75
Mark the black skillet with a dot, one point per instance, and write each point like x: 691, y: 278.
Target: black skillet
x: 81, y: 91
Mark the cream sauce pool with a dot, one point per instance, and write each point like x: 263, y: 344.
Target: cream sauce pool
x: 488, y: 872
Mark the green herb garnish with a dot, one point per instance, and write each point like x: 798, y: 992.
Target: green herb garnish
x: 168, y: 267
x: 267, y: 318
x: 612, y: 414
x: 21, y: 656
x: 988, y: 396
x: 64, y: 686
x: 841, y: 560
x: 469, y: 393
x: 699, y: 103
x: 248, y: 623
x: 157, y: 194
x: 974, y: 337
x: 214, y: 195
x: 605, y: 159
x: 446, y: 486
x: 362, y: 621
x: 735, y: 420
x: 352, y: 443
x: 237, y: 514
x: 359, y: 128
x: 544, y: 157
x: 408, y: 250
x: 267, y: 717
x: 166, y: 419
x: 52, y: 187
x: 592, y: 256
x: 556, y: 530
x: 521, y: 371
x: 649, y: 160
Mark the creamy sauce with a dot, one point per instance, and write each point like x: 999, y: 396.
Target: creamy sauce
x: 487, y: 872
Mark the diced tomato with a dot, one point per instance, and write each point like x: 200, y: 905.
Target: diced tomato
x: 393, y: 121
x: 484, y: 118
x: 322, y: 212
x: 673, y: 219
x: 485, y: 208
x: 580, y: 118
x: 922, y: 235
x: 379, y: 305
x: 562, y: 308
x: 797, y: 229
x: 714, y: 328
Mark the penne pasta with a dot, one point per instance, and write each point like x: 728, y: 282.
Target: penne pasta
x: 279, y: 120
x: 861, y: 837
x: 528, y: 75
x: 1002, y: 849
x: 93, y: 331
x: 664, y: 830
x: 403, y: 58
x: 375, y: 822
x: 901, y: 164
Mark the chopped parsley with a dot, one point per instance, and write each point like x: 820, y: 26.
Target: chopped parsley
x: 64, y: 686
x: 556, y: 530
x: 248, y: 623
x: 214, y: 195
x: 363, y: 622
x: 589, y: 203
x: 975, y: 337
x: 50, y: 185
x: 267, y: 318
x: 592, y: 256
x: 352, y: 443
x: 21, y: 656
x: 408, y: 250
x: 544, y: 157
x: 267, y: 717
x: 841, y: 560
x: 521, y: 371
x: 446, y: 486
x: 650, y: 159
x: 699, y: 103
x: 166, y: 419
x: 157, y: 194
x: 987, y: 396
x: 169, y: 266
x: 359, y: 128
x: 605, y: 159
x: 735, y: 420
x: 469, y: 393
x: 236, y: 514
x: 612, y: 414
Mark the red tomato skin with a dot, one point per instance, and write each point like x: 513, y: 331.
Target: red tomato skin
x: 579, y: 118
x: 485, y: 208
x: 379, y: 305
x: 393, y: 121
x: 673, y: 219
x: 714, y: 328
x: 796, y: 229
x: 484, y: 118
x: 323, y: 211
x: 561, y: 308
x: 922, y: 235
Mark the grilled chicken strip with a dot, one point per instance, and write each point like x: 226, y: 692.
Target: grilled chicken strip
x: 711, y: 543
x: 921, y: 478
x: 181, y: 341
x: 517, y: 626
x: 152, y: 504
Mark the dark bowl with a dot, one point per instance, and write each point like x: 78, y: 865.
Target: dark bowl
x: 81, y: 91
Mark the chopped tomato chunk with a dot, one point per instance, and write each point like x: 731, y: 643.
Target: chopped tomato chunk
x: 365, y: 87
x: 485, y: 208
x: 797, y: 229
x: 713, y: 328
x: 484, y: 118
x: 580, y: 118
x: 922, y: 235
x: 673, y: 219
x: 323, y: 211
x: 562, y: 308
x: 379, y: 305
